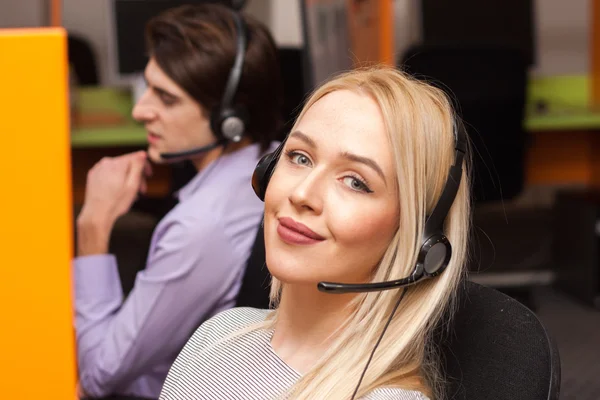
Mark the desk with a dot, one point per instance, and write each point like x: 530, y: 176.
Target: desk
x: 113, y: 104
x: 566, y: 134
x: 103, y: 127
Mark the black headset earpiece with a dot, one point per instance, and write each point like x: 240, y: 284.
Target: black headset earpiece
x: 229, y: 122
x: 436, y: 249
x: 263, y: 171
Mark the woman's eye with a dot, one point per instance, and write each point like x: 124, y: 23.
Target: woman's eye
x: 300, y: 159
x: 356, y: 184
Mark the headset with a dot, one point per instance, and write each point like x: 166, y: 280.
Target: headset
x: 434, y: 254
x: 228, y: 121
x: 436, y: 250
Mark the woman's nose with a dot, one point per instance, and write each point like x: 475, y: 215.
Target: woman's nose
x: 309, y: 192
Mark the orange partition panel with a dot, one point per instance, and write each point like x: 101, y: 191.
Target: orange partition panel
x: 370, y: 23
x: 56, y: 12
x: 386, y: 32
x: 37, y: 355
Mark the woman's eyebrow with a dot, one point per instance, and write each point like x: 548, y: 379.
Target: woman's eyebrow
x: 366, y: 161
x: 303, y: 137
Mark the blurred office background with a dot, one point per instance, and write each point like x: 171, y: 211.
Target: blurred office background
x: 522, y: 72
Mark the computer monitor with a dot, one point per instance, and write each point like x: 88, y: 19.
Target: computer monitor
x: 496, y: 22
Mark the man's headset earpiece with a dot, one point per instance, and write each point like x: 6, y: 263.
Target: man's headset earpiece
x: 228, y: 121
x: 436, y: 250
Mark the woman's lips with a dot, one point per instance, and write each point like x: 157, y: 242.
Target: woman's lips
x: 293, y: 232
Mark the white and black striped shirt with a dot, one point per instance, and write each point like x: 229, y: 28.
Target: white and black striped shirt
x: 244, y: 367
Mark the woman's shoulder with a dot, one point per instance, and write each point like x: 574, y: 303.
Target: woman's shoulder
x: 226, y: 323
x: 236, y: 318
x: 389, y: 393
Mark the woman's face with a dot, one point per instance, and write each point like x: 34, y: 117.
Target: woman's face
x: 331, y: 207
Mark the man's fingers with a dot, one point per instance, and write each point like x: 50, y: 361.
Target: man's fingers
x: 131, y: 156
x: 135, y: 173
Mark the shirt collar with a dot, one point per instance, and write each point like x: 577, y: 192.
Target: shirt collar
x: 222, y: 162
x: 192, y: 186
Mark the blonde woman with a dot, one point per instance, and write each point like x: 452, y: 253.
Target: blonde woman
x: 349, y: 199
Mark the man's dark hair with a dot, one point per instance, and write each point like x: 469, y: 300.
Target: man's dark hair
x: 195, y: 45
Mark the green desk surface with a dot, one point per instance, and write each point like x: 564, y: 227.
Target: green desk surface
x: 566, y: 97
x: 565, y: 120
x: 567, y: 104
x: 125, y: 135
x: 92, y: 99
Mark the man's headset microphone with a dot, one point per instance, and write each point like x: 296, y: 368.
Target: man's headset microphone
x: 434, y: 254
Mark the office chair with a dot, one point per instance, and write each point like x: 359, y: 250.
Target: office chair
x: 256, y: 282
x: 83, y: 60
x: 495, y: 348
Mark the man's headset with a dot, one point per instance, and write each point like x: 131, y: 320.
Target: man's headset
x: 435, y: 252
x: 228, y: 121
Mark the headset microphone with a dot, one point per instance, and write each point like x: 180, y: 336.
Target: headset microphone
x: 189, y: 153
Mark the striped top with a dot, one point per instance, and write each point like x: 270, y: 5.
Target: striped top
x: 242, y: 367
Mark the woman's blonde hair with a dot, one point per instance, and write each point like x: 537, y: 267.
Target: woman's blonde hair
x: 420, y: 123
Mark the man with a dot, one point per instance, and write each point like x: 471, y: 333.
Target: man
x: 213, y: 97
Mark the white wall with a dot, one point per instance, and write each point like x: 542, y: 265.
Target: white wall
x: 283, y: 17
x: 407, y: 28
x: 90, y: 19
x: 563, y: 30
x: 22, y: 13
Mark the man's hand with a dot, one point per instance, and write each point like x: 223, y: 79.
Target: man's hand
x: 112, y: 186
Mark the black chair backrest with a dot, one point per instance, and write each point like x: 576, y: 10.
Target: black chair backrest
x: 488, y: 87
x: 83, y: 60
x: 256, y: 282
x: 497, y: 349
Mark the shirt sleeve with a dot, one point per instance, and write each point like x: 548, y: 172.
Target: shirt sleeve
x: 185, y: 277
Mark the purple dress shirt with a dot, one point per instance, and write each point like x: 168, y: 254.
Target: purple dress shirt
x: 194, y: 269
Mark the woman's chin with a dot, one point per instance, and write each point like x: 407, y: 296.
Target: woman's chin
x: 295, y: 275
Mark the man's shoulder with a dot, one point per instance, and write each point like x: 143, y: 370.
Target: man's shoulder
x: 188, y: 225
